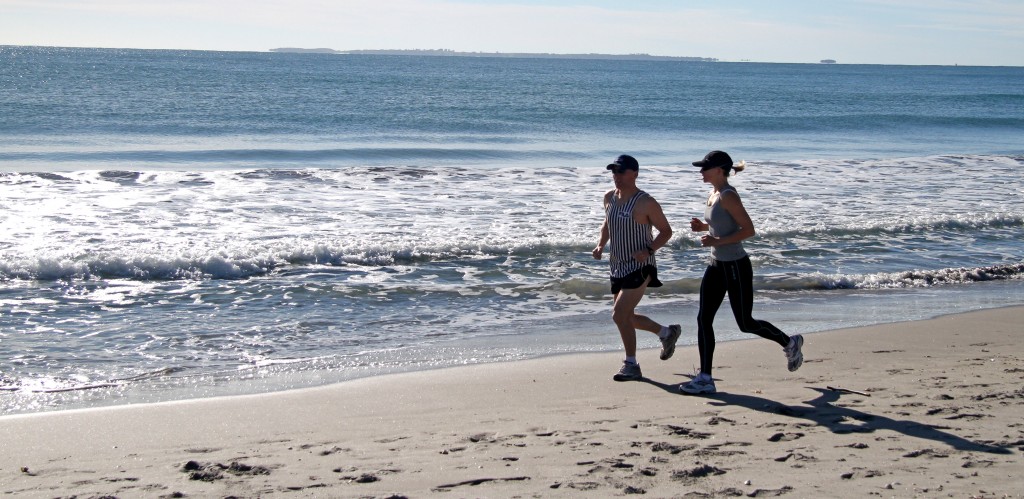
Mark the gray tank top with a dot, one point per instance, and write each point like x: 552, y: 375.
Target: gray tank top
x: 722, y: 224
x: 627, y: 236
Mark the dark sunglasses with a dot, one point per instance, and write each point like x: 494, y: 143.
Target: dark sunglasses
x: 619, y: 171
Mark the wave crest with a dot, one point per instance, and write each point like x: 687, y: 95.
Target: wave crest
x: 927, y: 278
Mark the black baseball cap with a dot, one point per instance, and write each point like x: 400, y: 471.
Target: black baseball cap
x: 714, y: 159
x: 624, y: 162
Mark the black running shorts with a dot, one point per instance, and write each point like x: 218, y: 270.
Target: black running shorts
x: 636, y: 279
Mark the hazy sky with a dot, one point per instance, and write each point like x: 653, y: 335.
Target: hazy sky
x: 981, y: 32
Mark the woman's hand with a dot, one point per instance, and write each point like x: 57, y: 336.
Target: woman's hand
x: 696, y: 225
x: 708, y: 241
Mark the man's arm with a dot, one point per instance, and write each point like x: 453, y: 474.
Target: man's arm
x: 599, y: 250
x: 653, y: 215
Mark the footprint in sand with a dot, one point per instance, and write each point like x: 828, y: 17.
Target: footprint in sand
x: 785, y: 437
x: 696, y: 473
x: 215, y: 471
x: 926, y: 453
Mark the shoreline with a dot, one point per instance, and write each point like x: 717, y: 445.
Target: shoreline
x: 932, y: 409
x: 589, y: 333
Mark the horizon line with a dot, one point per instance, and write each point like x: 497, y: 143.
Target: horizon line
x: 454, y: 53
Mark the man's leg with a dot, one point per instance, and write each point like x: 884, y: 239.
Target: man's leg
x: 646, y: 323
x: 623, y: 316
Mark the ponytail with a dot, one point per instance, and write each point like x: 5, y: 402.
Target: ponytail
x: 738, y: 167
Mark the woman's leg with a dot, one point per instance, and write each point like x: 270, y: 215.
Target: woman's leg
x: 712, y: 292
x: 740, y: 277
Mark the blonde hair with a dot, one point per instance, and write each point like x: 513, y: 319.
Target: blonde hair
x: 738, y: 167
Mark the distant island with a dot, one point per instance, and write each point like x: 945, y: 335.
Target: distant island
x: 453, y: 53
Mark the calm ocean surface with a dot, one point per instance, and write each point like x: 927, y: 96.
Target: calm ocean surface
x: 181, y: 224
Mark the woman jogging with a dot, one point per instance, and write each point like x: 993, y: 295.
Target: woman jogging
x: 729, y: 272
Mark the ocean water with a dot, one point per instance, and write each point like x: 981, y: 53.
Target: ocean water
x: 181, y: 224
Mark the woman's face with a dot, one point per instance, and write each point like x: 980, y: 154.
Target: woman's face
x: 711, y: 173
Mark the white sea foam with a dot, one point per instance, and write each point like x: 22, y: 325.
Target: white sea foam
x: 369, y: 259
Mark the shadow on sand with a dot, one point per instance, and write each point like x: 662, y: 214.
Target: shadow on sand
x: 841, y: 420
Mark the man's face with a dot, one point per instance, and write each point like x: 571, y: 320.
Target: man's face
x: 623, y: 176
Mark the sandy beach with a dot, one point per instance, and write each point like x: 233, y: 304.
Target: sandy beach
x: 919, y: 409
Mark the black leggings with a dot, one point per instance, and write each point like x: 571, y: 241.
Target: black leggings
x: 737, y: 279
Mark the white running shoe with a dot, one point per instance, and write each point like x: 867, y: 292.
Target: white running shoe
x: 794, y: 354
x: 628, y: 372
x: 668, y: 345
x: 701, y: 383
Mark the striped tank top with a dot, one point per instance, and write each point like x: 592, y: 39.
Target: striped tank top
x: 627, y: 236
